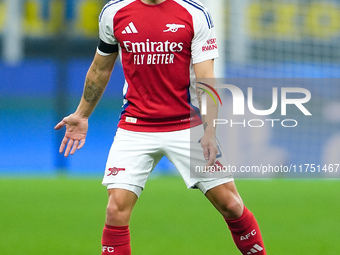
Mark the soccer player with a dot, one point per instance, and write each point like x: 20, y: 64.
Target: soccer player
x: 163, y: 45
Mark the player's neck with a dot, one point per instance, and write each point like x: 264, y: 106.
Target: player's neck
x: 153, y: 1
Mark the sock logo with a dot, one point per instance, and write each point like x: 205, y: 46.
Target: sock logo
x: 256, y: 248
x: 108, y: 249
x: 246, y: 237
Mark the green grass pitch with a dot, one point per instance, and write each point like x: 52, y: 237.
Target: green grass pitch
x: 65, y: 216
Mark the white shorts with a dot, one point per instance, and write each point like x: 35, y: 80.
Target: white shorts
x: 133, y: 156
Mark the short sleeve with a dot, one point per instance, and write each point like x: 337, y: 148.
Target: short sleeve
x: 107, y: 41
x: 204, y: 45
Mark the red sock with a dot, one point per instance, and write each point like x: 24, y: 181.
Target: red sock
x: 116, y: 240
x: 246, y: 234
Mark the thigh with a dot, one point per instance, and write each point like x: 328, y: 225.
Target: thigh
x: 186, y: 153
x: 132, y: 157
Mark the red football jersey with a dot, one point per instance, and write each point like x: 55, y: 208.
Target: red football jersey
x: 158, y: 46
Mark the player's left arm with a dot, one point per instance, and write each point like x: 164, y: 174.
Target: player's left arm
x: 204, y: 72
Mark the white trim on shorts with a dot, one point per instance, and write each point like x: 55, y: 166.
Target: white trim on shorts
x: 133, y: 188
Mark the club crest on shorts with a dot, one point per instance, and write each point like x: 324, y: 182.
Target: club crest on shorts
x: 115, y: 170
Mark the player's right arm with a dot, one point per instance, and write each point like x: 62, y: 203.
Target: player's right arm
x: 96, y: 80
x: 76, y: 124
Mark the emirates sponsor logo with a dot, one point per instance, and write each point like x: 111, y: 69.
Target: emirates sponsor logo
x: 152, y: 47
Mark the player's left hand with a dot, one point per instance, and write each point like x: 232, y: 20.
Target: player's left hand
x: 210, y: 151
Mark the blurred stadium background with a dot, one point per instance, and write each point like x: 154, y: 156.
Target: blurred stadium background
x: 46, y: 48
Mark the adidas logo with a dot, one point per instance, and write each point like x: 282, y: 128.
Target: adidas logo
x: 130, y: 29
x: 256, y: 248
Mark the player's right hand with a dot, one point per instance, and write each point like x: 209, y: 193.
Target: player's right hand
x: 76, y: 130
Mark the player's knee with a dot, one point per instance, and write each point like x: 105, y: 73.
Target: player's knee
x: 232, y: 208
x: 120, y: 205
x: 227, y: 201
x: 118, y: 213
